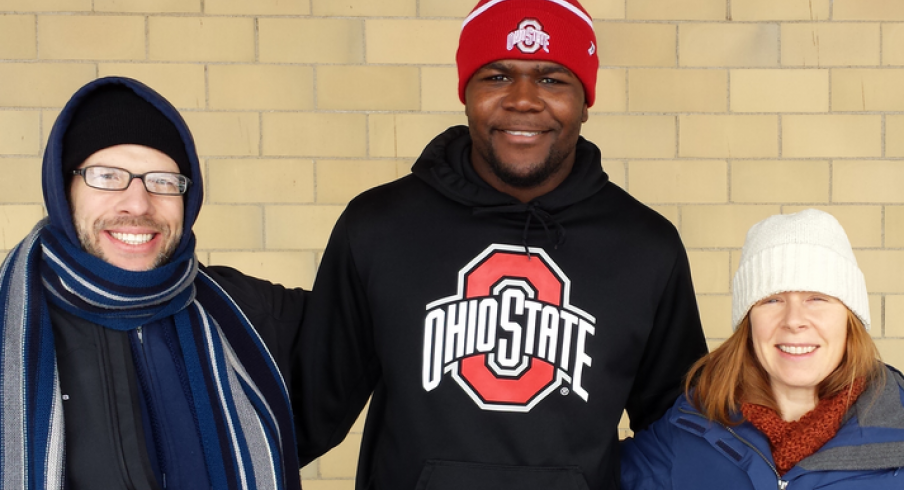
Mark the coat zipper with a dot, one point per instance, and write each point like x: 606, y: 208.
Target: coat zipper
x: 782, y: 484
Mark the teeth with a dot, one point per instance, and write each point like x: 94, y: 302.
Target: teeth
x: 133, y: 239
x: 523, y: 133
x: 796, y: 350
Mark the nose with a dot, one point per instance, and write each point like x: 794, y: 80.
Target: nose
x: 523, y: 95
x: 794, y: 317
x: 135, y: 199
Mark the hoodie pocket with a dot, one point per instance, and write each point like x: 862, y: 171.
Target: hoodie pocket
x: 454, y: 475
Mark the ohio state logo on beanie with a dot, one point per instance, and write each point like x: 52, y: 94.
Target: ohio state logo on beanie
x: 529, y: 37
x: 510, y: 336
x: 558, y: 31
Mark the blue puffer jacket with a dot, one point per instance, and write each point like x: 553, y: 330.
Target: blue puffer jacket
x: 684, y: 451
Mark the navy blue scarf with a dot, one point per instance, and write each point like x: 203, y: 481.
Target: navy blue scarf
x: 241, y: 401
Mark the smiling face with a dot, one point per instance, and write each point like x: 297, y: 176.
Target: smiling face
x: 524, y: 118
x: 131, y: 229
x: 799, y: 339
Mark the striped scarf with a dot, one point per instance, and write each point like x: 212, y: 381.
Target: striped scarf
x: 239, y: 397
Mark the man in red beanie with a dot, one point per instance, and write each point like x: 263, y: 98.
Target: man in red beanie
x: 504, y: 303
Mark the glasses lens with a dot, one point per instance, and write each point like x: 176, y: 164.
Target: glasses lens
x: 165, y: 183
x: 107, y: 178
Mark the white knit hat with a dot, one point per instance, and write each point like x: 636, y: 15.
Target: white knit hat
x: 805, y: 251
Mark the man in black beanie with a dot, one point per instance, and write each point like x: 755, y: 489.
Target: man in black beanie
x: 124, y: 362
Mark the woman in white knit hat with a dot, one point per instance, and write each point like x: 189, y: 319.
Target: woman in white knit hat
x: 796, y: 398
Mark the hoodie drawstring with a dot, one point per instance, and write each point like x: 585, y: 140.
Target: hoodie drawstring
x: 533, y: 210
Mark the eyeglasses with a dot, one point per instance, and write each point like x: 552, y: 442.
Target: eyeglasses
x: 118, y: 179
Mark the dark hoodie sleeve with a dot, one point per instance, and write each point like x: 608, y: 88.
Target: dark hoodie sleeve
x: 675, y: 343
x: 338, y: 366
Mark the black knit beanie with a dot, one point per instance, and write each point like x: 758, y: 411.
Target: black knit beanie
x: 115, y: 115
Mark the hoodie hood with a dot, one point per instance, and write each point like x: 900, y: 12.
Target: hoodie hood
x: 445, y: 165
x: 54, y: 182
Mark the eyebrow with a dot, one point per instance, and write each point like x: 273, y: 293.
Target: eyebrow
x: 543, y: 69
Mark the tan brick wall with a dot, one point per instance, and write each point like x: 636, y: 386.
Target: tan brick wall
x: 716, y: 113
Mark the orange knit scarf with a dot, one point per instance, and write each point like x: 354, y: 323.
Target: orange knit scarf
x: 793, y: 441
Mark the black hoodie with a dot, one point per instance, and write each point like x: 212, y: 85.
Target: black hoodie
x: 500, y: 340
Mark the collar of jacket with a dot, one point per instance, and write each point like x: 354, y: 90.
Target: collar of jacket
x: 872, y: 437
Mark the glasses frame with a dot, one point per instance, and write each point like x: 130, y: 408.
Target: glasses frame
x: 82, y: 171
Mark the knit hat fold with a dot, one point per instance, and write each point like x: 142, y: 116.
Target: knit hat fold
x: 805, y: 251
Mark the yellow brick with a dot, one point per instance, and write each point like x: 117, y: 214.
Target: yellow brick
x: 831, y: 136
x: 412, y: 41
x: 264, y: 87
x: 867, y: 90
x: 311, y: 40
x: 338, y: 484
x: 150, y: 6
x: 21, y: 182
x: 41, y: 84
x: 632, y: 136
x: 894, y: 226
x: 374, y: 88
x: 48, y: 117
x: 863, y: 224
x: 261, y: 181
x: 283, y: 222
x: 611, y: 91
x: 720, y: 44
x: 883, y: 269
x: 403, y: 167
x: 669, y: 212
x: 439, y: 89
x: 406, y: 135
x: 257, y: 7
x: 884, y: 10
x: 310, y: 471
x: 19, y: 133
x: 672, y: 10
x: 314, y: 134
x: 728, y: 136
x: 224, y: 133
x: 291, y: 269
x: 63, y: 37
x: 205, y: 39
x: 757, y: 10
x: 605, y: 9
x: 892, y: 351
x: 342, y: 460
x: 338, y: 181
x: 894, y: 136
x: 181, y: 84
x: 893, y: 44
x: 720, y: 226
x: 715, y: 314
x: 635, y: 44
x: 785, y: 90
x: 679, y: 181
x: 875, y: 313
x: 894, y: 316
x: 779, y: 181
x: 616, y: 171
x: 674, y: 90
x: 365, y: 8
x: 877, y: 181
x: 709, y: 271
x: 447, y: 8
x: 225, y: 227
x: 16, y: 221
x: 45, y: 5
x: 17, y: 37
x: 830, y: 44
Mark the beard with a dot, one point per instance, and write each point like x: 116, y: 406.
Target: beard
x: 537, y: 173
x: 90, y: 239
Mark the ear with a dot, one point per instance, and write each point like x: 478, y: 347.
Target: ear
x: 585, y: 114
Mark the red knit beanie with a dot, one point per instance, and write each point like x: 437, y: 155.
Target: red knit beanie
x: 560, y: 31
